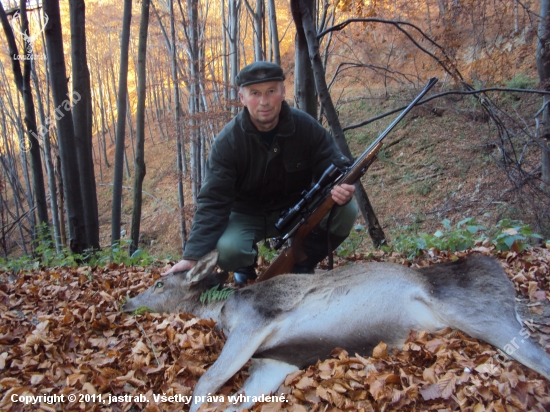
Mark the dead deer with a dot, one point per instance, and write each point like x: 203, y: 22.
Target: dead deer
x: 290, y: 321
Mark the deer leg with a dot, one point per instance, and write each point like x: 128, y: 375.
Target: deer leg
x: 516, y: 343
x: 504, y: 332
x: 266, y: 375
x: 238, y: 349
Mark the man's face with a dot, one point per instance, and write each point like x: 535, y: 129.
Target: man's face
x: 263, y: 101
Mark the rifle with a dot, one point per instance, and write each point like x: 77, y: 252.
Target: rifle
x: 313, y: 208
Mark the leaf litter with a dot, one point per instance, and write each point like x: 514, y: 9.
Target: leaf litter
x: 61, y: 332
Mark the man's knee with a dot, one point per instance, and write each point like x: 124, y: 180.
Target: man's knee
x: 234, y: 254
x: 343, y: 219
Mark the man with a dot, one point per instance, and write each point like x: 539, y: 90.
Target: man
x: 258, y: 166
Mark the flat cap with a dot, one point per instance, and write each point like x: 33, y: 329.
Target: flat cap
x: 259, y: 72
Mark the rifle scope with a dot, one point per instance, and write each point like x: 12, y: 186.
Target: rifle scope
x: 330, y: 175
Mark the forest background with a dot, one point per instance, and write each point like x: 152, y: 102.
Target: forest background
x: 462, y: 155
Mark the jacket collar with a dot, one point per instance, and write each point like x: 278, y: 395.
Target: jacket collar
x: 285, y: 125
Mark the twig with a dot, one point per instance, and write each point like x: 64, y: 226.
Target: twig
x: 398, y: 25
x: 435, y: 96
x: 12, y: 224
x: 149, y: 340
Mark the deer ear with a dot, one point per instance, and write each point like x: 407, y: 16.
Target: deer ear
x: 203, y: 268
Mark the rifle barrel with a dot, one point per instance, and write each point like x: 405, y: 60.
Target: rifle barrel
x: 407, y: 109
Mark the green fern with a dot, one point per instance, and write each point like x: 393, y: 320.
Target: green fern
x: 213, y: 294
x: 142, y: 310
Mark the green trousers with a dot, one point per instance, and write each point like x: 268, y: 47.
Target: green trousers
x: 244, y: 231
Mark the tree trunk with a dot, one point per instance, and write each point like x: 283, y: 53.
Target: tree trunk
x: 23, y: 83
x: 194, y: 73
x: 274, y: 32
x: 225, y: 60
x: 61, y: 201
x: 365, y: 207
x: 305, y: 96
x: 177, y: 119
x: 121, y: 123
x: 104, y: 125
x: 543, y: 67
x: 139, y: 174
x: 233, y: 10
x: 50, y: 171
x: 111, y: 80
x: 65, y: 128
x: 8, y: 163
x: 82, y: 114
x: 156, y: 98
x: 130, y: 126
x: 149, y: 120
x: 257, y: 19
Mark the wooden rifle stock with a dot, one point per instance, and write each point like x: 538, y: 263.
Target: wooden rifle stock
x: 295, y: 253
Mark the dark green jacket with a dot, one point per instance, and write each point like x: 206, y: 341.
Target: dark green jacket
x: 244, y: 176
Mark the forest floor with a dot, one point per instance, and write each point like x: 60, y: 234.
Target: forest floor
x: 62, y: 333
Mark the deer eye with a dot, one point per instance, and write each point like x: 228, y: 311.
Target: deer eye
x: 159, y: 285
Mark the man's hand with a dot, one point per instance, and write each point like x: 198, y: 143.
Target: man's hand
x: 181, y: 265
x: 343, y: 193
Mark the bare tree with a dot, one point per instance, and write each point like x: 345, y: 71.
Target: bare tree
x: 65, y: 128
x: 121, y: 123
x: 225, y: 60
x: 274, y: 32
x: 102, y: 115
x: 305, y: 96
x: 140, y: 126
x: 82, y: 114
x: 23, y: 83
x: 258, y: 18
x: 192, y: 34
x: 50, y: 170
x: 374, y: 228
x: 233, y: 24
x: 177, y: 119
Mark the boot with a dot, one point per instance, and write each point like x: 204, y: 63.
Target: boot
x: 244, y: 274
x: 316, y: 249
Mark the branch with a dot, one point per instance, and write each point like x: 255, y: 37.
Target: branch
x: 12, y: 224
x: 250, y: 9
x: 184, y: 24
x: 351, y: 65
x: 13, y: 10
x: 168, y: 43
x: 398, y: 25
x: 528, y: 10
x: 435, y: 96
x: 286, y: 30
x: 150, y: 343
